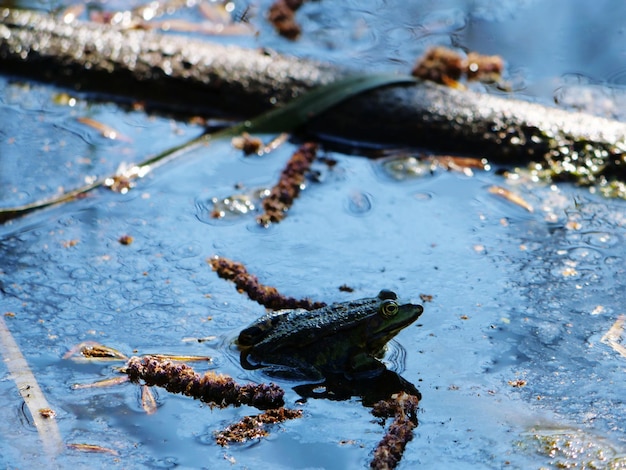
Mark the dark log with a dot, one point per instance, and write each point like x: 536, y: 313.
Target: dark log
x: 170, y: 71
x: 199, y: 77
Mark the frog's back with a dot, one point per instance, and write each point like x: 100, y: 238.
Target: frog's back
x: 301, y: 326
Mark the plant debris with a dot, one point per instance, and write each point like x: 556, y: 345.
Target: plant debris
x: 126, y: 240
x: 461, y: 164
x: 439, y: 65
x: 447, y: 67
x: 403, y: 407
x: 47, y: 413
x: 216, y: 390
x: 110, y: 382
x: 282, y: 14
x: 290, y: 184
x: 92, y: 448
x: 105, y: 131
x: 267, y: 296
x: 246, y: 143
x: 484, y: 68
x: 253, y: 145
x: 511, y: 197
x: 253, y: 427
x: 94, y: 350
x: 517, y: 383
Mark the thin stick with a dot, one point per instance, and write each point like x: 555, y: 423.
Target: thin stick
x: 284, y: 119
x: 32, y: 395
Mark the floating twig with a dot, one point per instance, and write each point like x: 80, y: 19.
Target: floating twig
x: 92, y: 449
x: 511, y: 197
x: 289, y: 185
x: 105, y: 131
x: 110, y: 382
x: 403, y: 407
x: 216, y: 390
x: 267, y: 296
x: 93, y: 350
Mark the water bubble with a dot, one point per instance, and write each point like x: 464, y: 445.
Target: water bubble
x: 404, y: 167
x: 423, y: 196
x: 359, y: 203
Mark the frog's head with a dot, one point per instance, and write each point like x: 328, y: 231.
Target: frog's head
x: 389, y: 318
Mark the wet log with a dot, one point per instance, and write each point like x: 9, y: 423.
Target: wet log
x: 195, y: 76
x: 168, y: 71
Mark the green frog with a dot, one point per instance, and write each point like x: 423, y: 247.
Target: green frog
x: 343, y: 338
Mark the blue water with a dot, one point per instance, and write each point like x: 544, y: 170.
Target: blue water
x: 516, y: 295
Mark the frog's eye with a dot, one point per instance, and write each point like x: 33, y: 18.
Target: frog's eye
x: 388, y: 308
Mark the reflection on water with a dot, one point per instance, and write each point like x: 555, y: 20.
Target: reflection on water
x: 370, y: 389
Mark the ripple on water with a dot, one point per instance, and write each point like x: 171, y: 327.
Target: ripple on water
x: 423, y: 196
x: 600, y: 239
x: 582, y: 253
x: 617, y: 77
x: 80, y: 274
x: 441, y: 23
x: 229, y: 210
x: 614, y: 261
x: 165, y: 462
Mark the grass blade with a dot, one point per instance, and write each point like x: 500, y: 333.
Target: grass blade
x: 285, y: 119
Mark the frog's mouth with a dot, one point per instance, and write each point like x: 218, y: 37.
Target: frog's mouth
x: 386, y: 334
